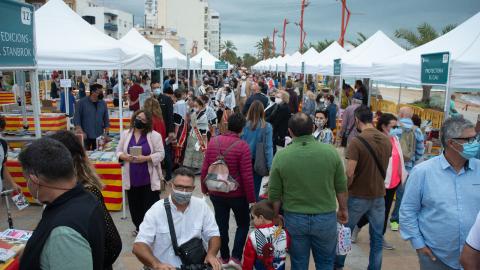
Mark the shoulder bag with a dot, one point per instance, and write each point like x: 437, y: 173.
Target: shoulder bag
x: 372, y: 153
x: 191, y: 252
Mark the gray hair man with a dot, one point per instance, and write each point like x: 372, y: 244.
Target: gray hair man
x: 441, y: 198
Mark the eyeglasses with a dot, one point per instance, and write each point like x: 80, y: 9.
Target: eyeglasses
x: 183, y: 188
x: 473, y: 139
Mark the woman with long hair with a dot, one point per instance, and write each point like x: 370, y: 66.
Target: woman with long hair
x: 257, y: 130
x: 85, y: 174
x: 152, y: 106
x: 141, y: 149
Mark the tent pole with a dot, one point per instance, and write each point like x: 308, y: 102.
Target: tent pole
x: 22, y: 83
x: 46, y: 85
x: 35, y: 102
x: 161, y: 80
x: 340, y: 85
x: 399, y: 97
x: 67, y: 100
x: 120, y: 114
x: 370, y: 85
x: 448, y: 95
x: 176, y: 76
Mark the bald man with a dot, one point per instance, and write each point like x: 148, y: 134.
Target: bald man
x: 406, y: 128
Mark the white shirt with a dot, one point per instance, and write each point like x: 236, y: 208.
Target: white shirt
x: 197, y: 221
x: 473, y: 239
x: 180, y: 107
x: 243, y: 92
x: 230, y: 101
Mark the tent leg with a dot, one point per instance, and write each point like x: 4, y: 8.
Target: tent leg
x: 36, y: 102
x: 120, y: 114
x: 340, y: 85
x: 67, y: 100
x: 161, y: 79
x: 399, y: 97
x: 448, y: 96
x: 370, y: 85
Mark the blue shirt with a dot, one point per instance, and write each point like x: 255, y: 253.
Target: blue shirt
x: 71, y: 101
x: 439, y: 207
x: 419, y: 138
x: 92, y: 118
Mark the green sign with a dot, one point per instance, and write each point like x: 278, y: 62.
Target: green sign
x: 158, y: 56
x: 221, y: 65
x: 17, y: 40
x: 303, y: 67
x: 435, y: 68
x: 337, y: 67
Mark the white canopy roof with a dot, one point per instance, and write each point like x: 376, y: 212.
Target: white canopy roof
x: 324, y: 61
x: 206, y: 60
x: 358, y: 62
x: 135, y: 40
x: 463, y: 43
x: 172, y: 59
x: 66, y: 41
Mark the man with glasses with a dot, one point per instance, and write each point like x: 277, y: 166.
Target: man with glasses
x: 192, y: 218
x: 442, y: 196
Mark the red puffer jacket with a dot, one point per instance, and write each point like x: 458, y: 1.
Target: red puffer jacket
x: 239, y: 162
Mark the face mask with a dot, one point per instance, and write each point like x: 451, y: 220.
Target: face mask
x: 195, y: 110
x: 322, y: 100
x: 181, y: 197
x: 100, y: 97
x: 470, y: 150
x: 278, y: 100
x: 139, y: 124
x: 319, y: 123
x: 157, y: 91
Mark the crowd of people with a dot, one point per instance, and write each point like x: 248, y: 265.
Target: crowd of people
x: 267, y: 152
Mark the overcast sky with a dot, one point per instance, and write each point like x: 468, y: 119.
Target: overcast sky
x: 245, y: 22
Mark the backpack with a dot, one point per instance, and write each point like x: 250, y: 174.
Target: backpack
x: 218, y: 178
x: 408, y: 143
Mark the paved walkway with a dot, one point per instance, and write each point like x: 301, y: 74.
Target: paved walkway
x: 402, y: 258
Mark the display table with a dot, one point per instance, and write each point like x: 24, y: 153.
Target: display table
x: 48, y: 122
x: 110, y: 174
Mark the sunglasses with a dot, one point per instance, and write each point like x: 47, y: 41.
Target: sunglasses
x: 473, y: 139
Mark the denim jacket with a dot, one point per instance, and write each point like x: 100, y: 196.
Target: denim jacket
x: 252, y: 137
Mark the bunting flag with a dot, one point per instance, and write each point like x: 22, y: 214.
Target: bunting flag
x: 115, y: 124
x: 110, y: 174
x: 47, y: 123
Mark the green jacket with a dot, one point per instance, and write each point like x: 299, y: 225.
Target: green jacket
x: 306, y: 176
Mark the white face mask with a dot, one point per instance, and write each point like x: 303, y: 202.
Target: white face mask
x: 278, y: 100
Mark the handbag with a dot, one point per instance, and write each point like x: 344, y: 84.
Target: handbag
x: 191, y: 252
x: 379, y: 166
x: 345, y: 136
x: 260, y: 165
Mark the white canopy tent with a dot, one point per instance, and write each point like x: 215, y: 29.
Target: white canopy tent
x: 203, y: 61
x: 323, y: 63
x: 281, y: 62
x: 172, y: 59
x: 358, y: 62
x: 67, y: 42
x: 296, y: 59
x: 463, y: 43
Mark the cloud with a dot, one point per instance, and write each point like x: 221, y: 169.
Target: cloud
x: 246, y: 22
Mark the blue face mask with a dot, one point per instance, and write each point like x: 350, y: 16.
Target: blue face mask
x: 470, y: 150
x: 157, y: 91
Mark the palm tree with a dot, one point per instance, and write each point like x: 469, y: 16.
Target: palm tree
x: 228, y: 52
x: 321, y: 45
x: 249, y: 60
x: 425, y: 33
x: 360, y: 39
x: 264, y: 48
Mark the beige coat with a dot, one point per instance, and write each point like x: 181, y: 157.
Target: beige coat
x: 248, y: 89
x: 154, y: 167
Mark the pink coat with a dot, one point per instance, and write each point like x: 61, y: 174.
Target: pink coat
x: 154, y: 167
x: 239, y: 162
x: 404, y: 174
